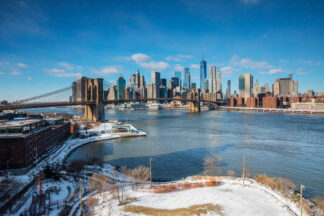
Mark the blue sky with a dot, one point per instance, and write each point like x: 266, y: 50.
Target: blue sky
x: 45, y: 45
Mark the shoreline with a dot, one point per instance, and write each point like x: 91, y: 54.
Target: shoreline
x: 271, y: 110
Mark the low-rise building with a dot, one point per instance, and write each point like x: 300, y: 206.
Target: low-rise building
x: 23, y: 141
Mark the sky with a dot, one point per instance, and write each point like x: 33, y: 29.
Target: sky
x: 46, y: 45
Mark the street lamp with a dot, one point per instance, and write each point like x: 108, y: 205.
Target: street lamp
x: 301, y: 199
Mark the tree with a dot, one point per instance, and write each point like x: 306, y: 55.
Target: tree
x: 210, y: 164
x: 231, y: 173
x: 141, y: 173
x: 99, y: 182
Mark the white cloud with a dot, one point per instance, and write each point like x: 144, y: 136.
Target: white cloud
x: 227, y: 70
x: 66, y: 65
x: 195, y: 66
x: 178, y: 67
x: 29, y: 78
x: 139, y: 57
x: 155, y: 65
x: 15, y: 73
x: 107, y: 70
x: 273, y: 71
x: 146, y: 62
x: 22, y: 65
x: 250, y: 1
x: 249, y: 63
x: 2, y: 73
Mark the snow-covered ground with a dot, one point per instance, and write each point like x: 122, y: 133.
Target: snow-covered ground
x: 101, y: 132
x: 230, y: 195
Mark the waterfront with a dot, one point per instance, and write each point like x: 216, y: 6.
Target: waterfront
x: 276, y: 144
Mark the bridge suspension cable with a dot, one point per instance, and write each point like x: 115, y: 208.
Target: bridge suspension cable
x: 43, y: 95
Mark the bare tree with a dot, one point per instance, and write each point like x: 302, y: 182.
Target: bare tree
x: 141, y: 173
x: 99, y: 182
x: 210, y: 164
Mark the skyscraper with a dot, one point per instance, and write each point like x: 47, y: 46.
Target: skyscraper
x: 121, y: 84
x: 142, y: 81
x: 137, y: 79
x: 228, y: 90
x: 245, y: 85
x: 178, y: 75
x: 203, y: 73
x: 186, y: 79
x: 155, y: 78
x: 212, y: 79
x: 219, y: 83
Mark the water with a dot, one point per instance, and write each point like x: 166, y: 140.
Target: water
x: 286, y: 145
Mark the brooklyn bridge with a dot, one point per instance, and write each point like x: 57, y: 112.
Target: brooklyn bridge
x: 95, y: 102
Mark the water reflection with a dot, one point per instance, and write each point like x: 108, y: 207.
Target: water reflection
x: 276, y: 144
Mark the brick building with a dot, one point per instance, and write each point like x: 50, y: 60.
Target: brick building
x: 23, y: 141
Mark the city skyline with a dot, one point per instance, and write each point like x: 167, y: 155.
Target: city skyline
x: 40, y: 52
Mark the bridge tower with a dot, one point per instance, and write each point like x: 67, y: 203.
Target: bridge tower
x: 94, y: 93
x: 194, y: 106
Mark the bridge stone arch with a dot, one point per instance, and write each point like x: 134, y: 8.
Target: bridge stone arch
x: 94, y: 110
x: 194, y: 106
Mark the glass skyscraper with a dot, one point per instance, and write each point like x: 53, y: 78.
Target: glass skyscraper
x: 121, y: 84
x: 186, y: 79
x: 203, y: 73
x: 178, y: 75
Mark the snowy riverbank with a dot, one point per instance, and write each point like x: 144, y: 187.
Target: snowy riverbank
x: 19, y: 182
x: 193, y: 195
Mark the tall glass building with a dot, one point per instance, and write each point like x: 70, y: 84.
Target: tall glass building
x: 203, y: 73
x: 178, y: 75
x: 186, y: 79
x: 121, y: 84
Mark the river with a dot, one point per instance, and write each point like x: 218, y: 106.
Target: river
x: 276, y: 144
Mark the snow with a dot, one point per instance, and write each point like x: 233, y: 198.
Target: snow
x: 231, y: 195
x: 102, y: 132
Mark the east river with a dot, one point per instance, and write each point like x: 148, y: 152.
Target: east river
x: 276, y: 144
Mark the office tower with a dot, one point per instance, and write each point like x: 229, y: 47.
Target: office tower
x: 228, y: 90
x: 186, y: 79
x: 219, y: 82
x: 81, y: 82
x: 178, y: 75
x: 285, y: 87
x: 137, y: 79
x: 153, y: 91
x: 206, y: 87
x: 74, y: 92
x: 193, y: 85
x: 121, y: 84
x: 266, y: 88
x: 112, y: 94
x: 155, y: 78
x: 142, y: 81
x: 132, y: 80
x: 212, y: 79
x: 175, y: 82
x: 203, y: 73
x: 257, y: 89
x: 245, y: 85
x: 163, y: 82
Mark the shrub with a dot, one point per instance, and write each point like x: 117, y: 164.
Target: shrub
x: 212, y: 183
x: 92, y: 201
